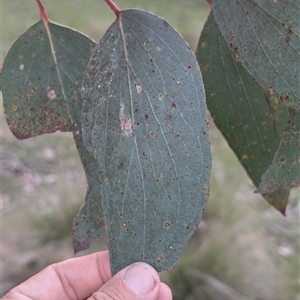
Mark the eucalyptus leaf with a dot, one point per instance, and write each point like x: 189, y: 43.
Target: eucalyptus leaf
x: 265, y: 38
x: 285, y: 168
x: 43, y: 70
x: 88, y: 225
x: 144, y: 120
x: 251, y: 120
x: 41, y: 80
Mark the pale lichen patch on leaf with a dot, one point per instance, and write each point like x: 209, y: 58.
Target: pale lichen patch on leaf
x: 138, y: 88
x: 158, y: 49
x: 160, y: 97
x: 51, y: 93
x: 125, y: 123
x: 126, y: 126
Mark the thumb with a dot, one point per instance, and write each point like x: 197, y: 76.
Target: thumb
x: 138, y: 281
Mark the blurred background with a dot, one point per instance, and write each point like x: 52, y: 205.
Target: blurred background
x: 243, y: 248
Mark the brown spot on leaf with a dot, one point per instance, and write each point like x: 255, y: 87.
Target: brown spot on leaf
x: 101, y: 223
x: 282, y: 160
x: 160, y: 257
x: 167, y: 224
x: 186, y: 226
x: 245, y: 157
x: 168, y: 117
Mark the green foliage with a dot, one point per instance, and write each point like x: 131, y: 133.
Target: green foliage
x: 34, y: 103
x: 42, y: 76
x: 285, y: 167
x: 264, y: 36
x: 251, y: 121
x: 144, y: 119
x: 47, y: 64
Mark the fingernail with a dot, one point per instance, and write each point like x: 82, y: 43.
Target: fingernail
x: 141, y: 278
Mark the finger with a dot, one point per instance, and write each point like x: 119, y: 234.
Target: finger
x: 76, y: 278
x: 165, y: 292
x: 138, y: 281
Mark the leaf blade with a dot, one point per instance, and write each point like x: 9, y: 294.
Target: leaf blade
x: 61, y: 59
x: 284, y: 172
x: 265, y: 37
x: 251, y: 121
x: 88, y: 225
x: 135, y: 107
x: 23, y: 70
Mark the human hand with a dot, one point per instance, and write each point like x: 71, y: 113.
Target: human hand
x: 89, y: 277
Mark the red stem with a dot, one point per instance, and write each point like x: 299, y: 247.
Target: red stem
x: 43, y: 15
x: 209, y: 2
x: 113, y: 7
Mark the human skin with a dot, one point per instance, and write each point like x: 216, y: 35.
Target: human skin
x: 89, y: 277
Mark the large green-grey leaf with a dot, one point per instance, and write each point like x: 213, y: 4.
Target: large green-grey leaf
x: 250, y: 119
x: 285, y: 168
x: 41, y: 81
x: 265, y: 36
x: 88, y: 225
x: 32, y: 91
x: 144, y: 119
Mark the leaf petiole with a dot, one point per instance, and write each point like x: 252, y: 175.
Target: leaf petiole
x: 113, y: 7
x: 43, y: 15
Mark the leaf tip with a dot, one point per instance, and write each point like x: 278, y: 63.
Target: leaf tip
x: 209, y: 2
x: 78, y: 245
x: 283, y: 212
